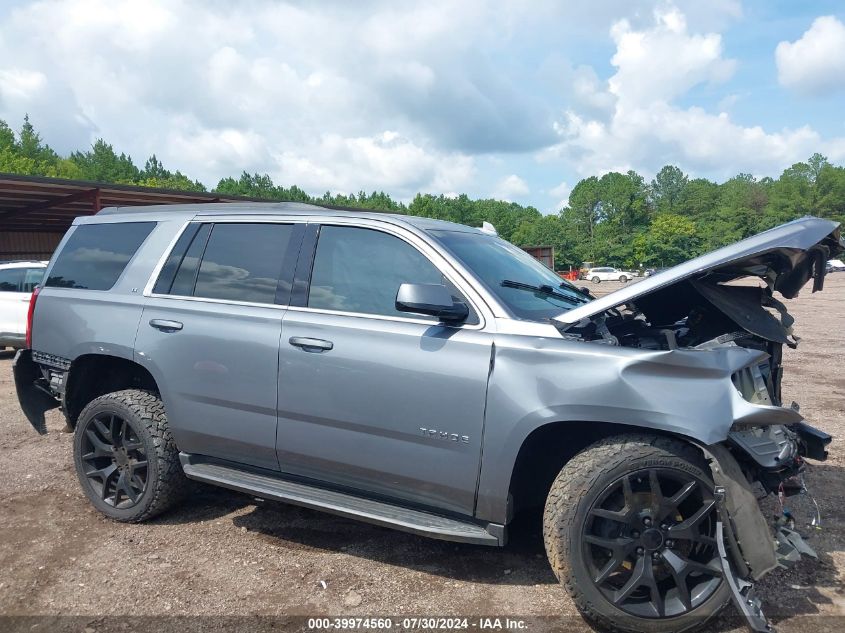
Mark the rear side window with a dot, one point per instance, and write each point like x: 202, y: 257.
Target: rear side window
x: 95, y: 255
x: 231, y: 261
x: 11, y: 279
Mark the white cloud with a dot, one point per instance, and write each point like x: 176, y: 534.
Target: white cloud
x: 304, y: 92
x: 437, y: 96
x: 379, y: 162
x: 301, y: 91
x: 815, y: 63
x: 646, y: 128
x: 510, y: 187
x: 663, y: 62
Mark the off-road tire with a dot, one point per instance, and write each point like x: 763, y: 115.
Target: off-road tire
x: 579, y: 483
x: 166, y: 482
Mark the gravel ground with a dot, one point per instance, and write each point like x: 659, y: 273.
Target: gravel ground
x: 223, y: 553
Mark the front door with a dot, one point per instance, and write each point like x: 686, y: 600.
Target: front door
x: 210, y: 332
x: 374, y: 399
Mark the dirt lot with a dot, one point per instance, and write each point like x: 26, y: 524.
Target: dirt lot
x: 226, y: 554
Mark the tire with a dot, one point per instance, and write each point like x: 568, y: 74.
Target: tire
x: 623, y: 279
x: 115, y: 434
x: 573, y: 529
x: 596, y: 280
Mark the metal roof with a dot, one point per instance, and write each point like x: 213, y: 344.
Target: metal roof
x: 37, y: 204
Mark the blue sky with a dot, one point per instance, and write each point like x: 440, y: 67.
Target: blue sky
x: 511, y: 99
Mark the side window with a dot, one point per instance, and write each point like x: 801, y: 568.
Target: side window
x: 10, y: 279
x: 179, y: 273
x: 360, y: 270
x: 32, y: 277
x: 95, y: 255
x: 242, y: 262
x: 232, y: 261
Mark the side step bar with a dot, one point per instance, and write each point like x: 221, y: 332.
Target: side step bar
x: 270, y: 486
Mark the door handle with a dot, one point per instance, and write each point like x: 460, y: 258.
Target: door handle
x: 311, y: 344
x: 166, y: 326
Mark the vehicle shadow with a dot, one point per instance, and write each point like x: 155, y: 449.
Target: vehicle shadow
x: 289, y: 527
x: 786, y: 592
x: 521, y: 562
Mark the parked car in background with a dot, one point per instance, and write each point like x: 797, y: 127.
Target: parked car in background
x: 835, y: 266
x: 17, y: 280
x: 605, y: 273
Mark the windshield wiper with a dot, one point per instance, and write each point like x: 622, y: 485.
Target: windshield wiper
x: 544, y: 289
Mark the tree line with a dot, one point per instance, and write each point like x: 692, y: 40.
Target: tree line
x: 615, y: 219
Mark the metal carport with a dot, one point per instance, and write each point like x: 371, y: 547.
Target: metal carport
x: 35, y: 212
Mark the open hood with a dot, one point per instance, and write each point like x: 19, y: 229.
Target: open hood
x: 786, y: 257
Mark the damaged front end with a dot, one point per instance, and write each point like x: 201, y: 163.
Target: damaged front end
x: 727, y: 299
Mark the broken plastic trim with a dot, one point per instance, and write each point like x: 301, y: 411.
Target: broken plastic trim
x: 742, y: 590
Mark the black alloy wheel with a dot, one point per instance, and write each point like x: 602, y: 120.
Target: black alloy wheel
x: 114, y: 460
x: 649, y: 543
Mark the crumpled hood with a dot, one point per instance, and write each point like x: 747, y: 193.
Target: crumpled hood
x: 787, y: 256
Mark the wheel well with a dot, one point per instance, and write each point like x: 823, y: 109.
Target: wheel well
x: 547, y: 449
x: 93, y: 375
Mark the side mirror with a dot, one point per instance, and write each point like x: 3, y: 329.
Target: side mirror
x: 430, y: 299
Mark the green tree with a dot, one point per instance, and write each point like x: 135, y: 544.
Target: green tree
x: 668, y: 189
x: 102, y: 164
x: 670, y: 239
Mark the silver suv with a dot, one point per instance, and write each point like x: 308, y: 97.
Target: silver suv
x: 434, y: 378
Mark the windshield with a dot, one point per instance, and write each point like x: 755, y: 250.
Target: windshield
x: 525, y: 286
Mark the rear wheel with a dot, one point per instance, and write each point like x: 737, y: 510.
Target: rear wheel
x: 596, y: 280
x: 125, y: 457
x: 629, y: 528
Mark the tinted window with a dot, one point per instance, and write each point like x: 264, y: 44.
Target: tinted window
x: 242, y: 262
x: 360, y: 270
x: 179, y: 273
x: 10, y: 279
x: 96, y: 254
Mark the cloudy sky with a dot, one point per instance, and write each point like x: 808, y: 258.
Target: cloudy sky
x: 517, y: 100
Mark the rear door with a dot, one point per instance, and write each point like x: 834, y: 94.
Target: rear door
x: 210, y: 332
x: 374, y: 399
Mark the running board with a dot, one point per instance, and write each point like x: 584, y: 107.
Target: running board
x: 270, y: 486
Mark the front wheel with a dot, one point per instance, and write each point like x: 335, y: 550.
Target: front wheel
x: 623, y: 279
x: 629, y: 529
x: 125, y: 457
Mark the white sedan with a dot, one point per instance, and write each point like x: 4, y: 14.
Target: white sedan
x: 597, y: 275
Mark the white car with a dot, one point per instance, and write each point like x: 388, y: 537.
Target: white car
x: 17, y: 280
x: 835, y: 265
x: 597, y: 275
